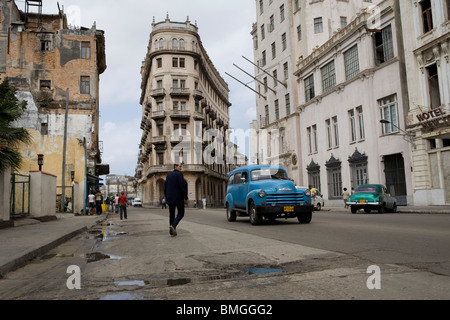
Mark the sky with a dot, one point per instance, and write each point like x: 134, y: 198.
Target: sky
x: 224, y: 27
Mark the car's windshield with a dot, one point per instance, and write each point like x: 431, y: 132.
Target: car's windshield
x: 268, y: 174
x: 366, y: 189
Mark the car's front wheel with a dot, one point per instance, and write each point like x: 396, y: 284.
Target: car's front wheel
x: 304, y: 217
x: 318, y: 207
x: 231, y: 215
x: 255, y: 218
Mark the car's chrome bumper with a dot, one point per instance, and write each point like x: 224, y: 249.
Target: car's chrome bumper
x: 363, y: 203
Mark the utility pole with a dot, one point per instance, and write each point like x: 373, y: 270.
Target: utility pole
x: 63, y: 192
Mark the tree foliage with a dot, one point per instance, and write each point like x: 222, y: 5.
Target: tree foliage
x: 11, y: 137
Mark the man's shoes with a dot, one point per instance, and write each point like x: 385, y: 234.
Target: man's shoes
x: 173, y: 231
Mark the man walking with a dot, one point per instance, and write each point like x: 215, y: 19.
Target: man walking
x: 123, y: 206
x: 175, y: 191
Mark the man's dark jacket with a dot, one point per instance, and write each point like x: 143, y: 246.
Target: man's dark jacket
x: 175, y: 188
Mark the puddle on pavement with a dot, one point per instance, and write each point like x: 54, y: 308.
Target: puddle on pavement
x: 121, y: 296
x: 262, y: 270
x: 138, y: 283
x: 97, y: 256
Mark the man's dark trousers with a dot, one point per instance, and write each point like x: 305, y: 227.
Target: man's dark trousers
x: 174, y: 221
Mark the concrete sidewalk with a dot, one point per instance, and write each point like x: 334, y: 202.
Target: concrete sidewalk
x: 30, y: 238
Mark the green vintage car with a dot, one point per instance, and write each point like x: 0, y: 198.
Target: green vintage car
x: 372, y: 197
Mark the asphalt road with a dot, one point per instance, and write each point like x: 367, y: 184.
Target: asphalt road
x: 420, y: 240
x: 213, y: 259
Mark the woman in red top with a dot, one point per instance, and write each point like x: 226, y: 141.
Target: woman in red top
x: 123, y: 205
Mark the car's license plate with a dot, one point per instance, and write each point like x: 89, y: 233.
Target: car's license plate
x: 289, y: 209
x: 362, y: 201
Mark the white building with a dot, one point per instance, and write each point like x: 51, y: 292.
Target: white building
x: 284, y: 33
x: 346, y: 87
x: 426, y: 32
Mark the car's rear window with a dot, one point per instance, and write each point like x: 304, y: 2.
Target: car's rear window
x: 268, y: 174
x: 366, y: 189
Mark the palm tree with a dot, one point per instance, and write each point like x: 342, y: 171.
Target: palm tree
x: 10, y: 137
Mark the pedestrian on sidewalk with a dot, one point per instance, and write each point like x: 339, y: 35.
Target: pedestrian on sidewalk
x: 91, y: 201
x: 116, y: 202
x: 175, y: 191
x: 345, y: 196
x: 98, y: 202
x: 123, y: 202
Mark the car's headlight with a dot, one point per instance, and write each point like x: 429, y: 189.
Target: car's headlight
x: 307, y: 192
x: 261, y: 194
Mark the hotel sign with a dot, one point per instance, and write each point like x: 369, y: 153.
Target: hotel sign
x: 433, y: 118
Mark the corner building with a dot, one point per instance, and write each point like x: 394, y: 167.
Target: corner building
x: 185, y: 116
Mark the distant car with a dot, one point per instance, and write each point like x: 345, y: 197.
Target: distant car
x: 137, y: 202
x: 266, y: 192
x: 372, y: 197
x: 317, y: 199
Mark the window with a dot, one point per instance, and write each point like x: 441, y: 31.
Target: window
x: 265, y: 84
x: 45, y: 85
x: 277, y: 110
x: 448, y: 9
x: 288, y: 104
x: 282, y: 16
x: 384, y: 49
x: 335, y: 182
x: 336, y: 132
x: 433, y: 86
x: 161, y: 43
x: 44, y: 128
x: 275, y: 77
x: 159, y: 62
x: 286, y: 70
x: 174, y: 43
x: 328, y: 76
x: 329, y: 133
x: 388, y: 110
x: 263, y: 32
x: 85, y: 49
x: 159, y: 84
x: 318, y: 25
x: 178, y: 62
x: 46, y: 45
x: 181, y: 43
x: 274, y: 50
x: 85, y: 85
x: 309, y: 88
x: 160, y: 106
x: 160, y: 129
x: 351, y: 62
x: 283, y: 42
x: 312, y: 139
x: 263, y: 60
x: 427, y: 17
x: 266, y: 108
x: 361, y: 132
x: 261, y: 6
x: 343, y: 21
x: 299, y: 33
x: 271, y: 24
x: 160, y: 157
x: 351, y: 117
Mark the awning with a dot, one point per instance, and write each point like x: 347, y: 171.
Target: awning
x: 94, y: 181
x: 102, y: 169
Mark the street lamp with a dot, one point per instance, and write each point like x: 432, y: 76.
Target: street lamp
x: 40, y: 161
x: 72, y: 175
x: 410, y: 136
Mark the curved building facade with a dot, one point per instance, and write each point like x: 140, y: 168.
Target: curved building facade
x: 185, y: 116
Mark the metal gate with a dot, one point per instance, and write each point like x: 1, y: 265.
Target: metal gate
x: 20, y: 195
x: 64, y: 203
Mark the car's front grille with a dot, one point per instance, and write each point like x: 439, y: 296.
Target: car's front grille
x: 284, y: 199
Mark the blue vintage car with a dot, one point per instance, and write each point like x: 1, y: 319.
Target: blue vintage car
x: 265, y: 192
x: 372, y: 197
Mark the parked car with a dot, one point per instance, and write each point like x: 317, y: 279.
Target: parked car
x: 265, y: 192
x: 137, y: 202
x: 372, y: 197
x: 317, y: 199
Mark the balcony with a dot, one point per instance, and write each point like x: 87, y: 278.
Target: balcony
x: 156, y: 115
x: 158, y: 93
x: 198, y: 94
x: 180, y: 114
x: 199, y: 116
x: 180, y: 92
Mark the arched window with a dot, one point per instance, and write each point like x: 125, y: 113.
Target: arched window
x: 161, y: 43
x: 182, y: 44
x: 174, y: 43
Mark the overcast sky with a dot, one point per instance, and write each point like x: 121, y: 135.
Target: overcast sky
x: 224, y: 28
